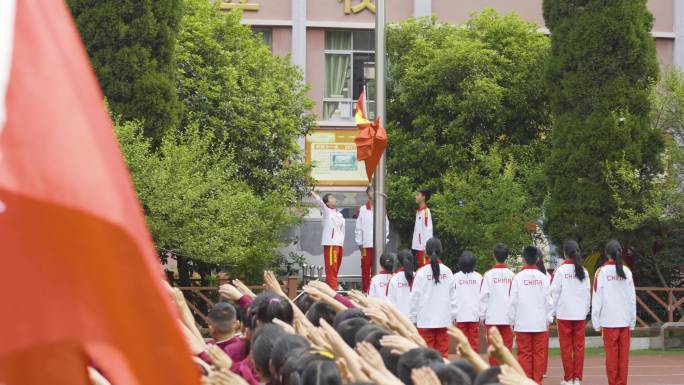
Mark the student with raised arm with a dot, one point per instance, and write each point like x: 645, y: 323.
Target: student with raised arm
x: 467, y: 284
x: 530, y: 312
x: 363, y: 235
x: 571, y: 291
x: 432, y: 299
x: 422, y: 230
x: 613, y: 312
x: 495, y: 297
x: 332, y: 238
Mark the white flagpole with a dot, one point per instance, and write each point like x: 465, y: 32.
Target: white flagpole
x: 379, y: 178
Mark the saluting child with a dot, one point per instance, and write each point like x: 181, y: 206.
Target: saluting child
x: 432, y: 299
x: 571, y: 292
x: 495, y: 299
x: 530, y: 313
x: 467, y: 284
x: 399, y: 290
x: 422, y: 229
x: 380, y: 282
x: 613, y: 312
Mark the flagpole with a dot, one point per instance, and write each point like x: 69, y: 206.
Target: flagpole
x: 379, y: 195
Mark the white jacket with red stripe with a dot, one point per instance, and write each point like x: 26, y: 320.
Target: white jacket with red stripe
x: 399, y: 292
x: 363, y: 233
x: 495, y: 297
x: 431, y: 302
x: 333, y: 224
x: 379, y: 285
x: 422, y: 230
x: 614, y: 300
x: 467, y: 291
x: 571, y: 297
x: 531, y: 309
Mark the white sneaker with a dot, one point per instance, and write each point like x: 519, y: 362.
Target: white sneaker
x: 571, y: 382
x: 576, y: 381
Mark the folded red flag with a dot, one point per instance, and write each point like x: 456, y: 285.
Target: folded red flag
x: 371, y: 140
x: 378, y: 148
x: 81, y: 279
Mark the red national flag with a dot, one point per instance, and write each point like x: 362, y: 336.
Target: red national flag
x: 81, y: 283
x: 371, y: 140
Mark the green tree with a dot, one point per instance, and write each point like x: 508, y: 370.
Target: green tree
x: 253, y: 102
x: 604, y: 153
x: 131, y: 47
x: 451, y: 86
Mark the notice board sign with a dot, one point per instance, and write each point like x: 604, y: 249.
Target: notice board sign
x: 333, y: 156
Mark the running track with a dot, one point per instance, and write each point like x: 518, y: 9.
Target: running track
x: 643, y: 370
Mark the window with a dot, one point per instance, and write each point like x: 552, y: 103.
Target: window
x: 347, y: 53
x: 266, y: 35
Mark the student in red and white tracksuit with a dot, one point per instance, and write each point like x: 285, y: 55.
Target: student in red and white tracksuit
x: 332, y: 238
x: 495, y: 299
x: 531, y: 311
x: 399, y: 289
x: 613, y: 311
x: 542, y: 267
x: 379, y: 285
x: 363, y: 235
x: 570, y: 292
x: 432, y: 300
x: 422, y: 230
x: 467, y: 284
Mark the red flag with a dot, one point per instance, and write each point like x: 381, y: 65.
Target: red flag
x: 81, y: 281
x: 379, y: 145
x: 371, y: 140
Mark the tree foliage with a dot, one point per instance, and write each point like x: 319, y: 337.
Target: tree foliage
x: 456, y: 88
x: 605, y: 155
x: 131, y: 47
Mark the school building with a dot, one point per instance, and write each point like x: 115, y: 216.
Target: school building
x: 334, y: 44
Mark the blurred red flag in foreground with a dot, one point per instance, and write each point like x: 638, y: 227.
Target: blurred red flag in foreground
x: 371, y: 140
x: 81, y: 283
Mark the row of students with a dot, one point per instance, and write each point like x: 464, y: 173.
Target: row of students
x: 523, y: 303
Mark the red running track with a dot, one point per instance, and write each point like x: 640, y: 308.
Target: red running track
x: 643, y: 370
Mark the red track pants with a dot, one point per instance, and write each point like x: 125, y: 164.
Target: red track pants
x: 367, y: 254
x: 531, y: 354
x: 437, y: 339
x: 616, y: 344
x: 472, y: 331
x: 507, y: 335
x: 332, y: 257
x: 421, y: 258
x: 571, y: 339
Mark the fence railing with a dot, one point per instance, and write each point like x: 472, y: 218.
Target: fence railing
x: 659, y: 304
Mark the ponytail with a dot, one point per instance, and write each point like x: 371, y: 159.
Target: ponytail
x: 571, y: 251
x: 433, y: 248
x: 406, y: 261
x: 614, y: 251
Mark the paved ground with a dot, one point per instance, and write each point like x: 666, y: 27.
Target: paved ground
x: 643, y: 370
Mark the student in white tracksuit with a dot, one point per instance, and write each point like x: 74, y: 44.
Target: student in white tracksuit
x: 570, y: 291
x: 495, y: 299
x: 363, y: 236
x: 379, y: 284
x: 467, y: 284
x: 432, y: 299
x: 422, y: 229
x: 332, y: 238
x: 399, y: 290
x: 613, y: 312
x: 530, y: 312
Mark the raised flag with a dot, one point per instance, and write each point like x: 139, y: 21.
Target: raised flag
x: 371, y: 140
x: 81, y: 282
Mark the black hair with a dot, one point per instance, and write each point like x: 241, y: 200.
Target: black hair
x: 466, y: 367
x: 304, y: 302
x: 371, y: 334
x: 414, y: 359
x: 433, y: 248
x: 326, y: 198
x: 347, y: 314
x: 500, y: 252
x: 286, y: 363
x: 449, y: 374
x: 488, y: 376
x: 285, y: 347
x: 321, y: 372
x: 360, y: 383
x: 426, y: 193
x: 387, y: 261
x: 613, y: 251
x: 406, y: 260
x: 530, y: 255
x: 571, y: 250
x: 262, y: 345
x: 269, y: 306
x: 369, y: 189
x: 389, y: 359
x: 320, y: 310
x: 291, y: 372
x: 222, y: 317
x: 466, y: 262
x: 348, y: 329
x: 540, y: 262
